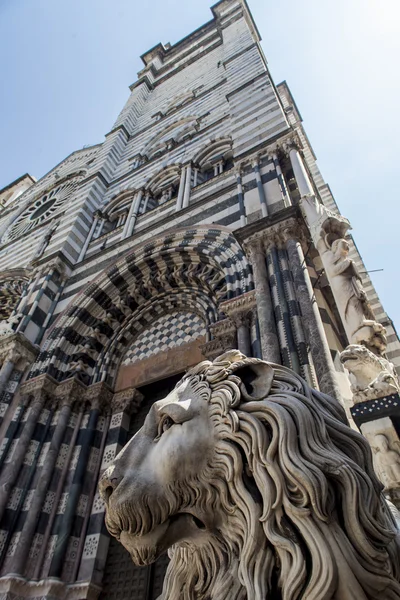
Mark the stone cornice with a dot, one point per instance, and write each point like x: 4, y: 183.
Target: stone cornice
x: 240, y: 310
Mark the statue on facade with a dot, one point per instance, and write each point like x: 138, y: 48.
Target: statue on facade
x: 387, y: 462
x: 357, y: 316
x: 252, y: 482
x: 371, y: 375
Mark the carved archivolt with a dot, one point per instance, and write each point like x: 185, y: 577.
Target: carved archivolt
x: 12, y: 285
x: 192, y: 270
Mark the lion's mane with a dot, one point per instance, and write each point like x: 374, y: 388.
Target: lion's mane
x: 307, y: 518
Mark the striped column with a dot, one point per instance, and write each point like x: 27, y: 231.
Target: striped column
x: 281, y: 309
x: 65, y: 526
x: 296, y: 322
x: 93, y: 554
x: 46, y: 475
x: 265, y: 311
x: 242, y: 209
x: 11, y: 470
x: 313, y: 325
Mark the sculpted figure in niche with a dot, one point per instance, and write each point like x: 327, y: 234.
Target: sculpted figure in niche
x: 258, y: 489
x: 387, y: 462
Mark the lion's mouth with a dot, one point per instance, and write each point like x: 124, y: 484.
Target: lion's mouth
x: 145, y: 549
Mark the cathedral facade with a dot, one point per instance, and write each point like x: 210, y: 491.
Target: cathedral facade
x: 186, y: 233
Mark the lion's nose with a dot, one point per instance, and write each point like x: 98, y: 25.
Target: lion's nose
x: 107, y: 484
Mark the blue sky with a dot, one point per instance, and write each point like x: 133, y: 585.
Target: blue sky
x: 66, y: 66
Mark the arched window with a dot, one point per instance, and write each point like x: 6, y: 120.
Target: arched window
x: 163, y: 187
x: 213, y: 159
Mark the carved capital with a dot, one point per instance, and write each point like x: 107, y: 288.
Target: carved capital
x: 42, y: 386
x: 127, y: 401
x: 99, y: 395
x: 69, y: 391
x: 18, y: 349
x: 240, y: 310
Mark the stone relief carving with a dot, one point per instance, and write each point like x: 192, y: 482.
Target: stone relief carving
x: 241, y: 473
x: 371, y: 375
x: 387, y: 461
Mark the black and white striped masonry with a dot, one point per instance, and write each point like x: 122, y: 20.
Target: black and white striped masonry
x: 127, y: 254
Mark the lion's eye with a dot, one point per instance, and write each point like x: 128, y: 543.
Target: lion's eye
x: 165, y: 423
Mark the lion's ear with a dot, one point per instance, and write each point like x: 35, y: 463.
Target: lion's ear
x: 256, y: 377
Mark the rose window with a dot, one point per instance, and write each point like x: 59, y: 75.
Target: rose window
x: 41, y: 210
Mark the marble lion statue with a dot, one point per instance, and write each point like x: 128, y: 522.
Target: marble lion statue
x: 258, y: 489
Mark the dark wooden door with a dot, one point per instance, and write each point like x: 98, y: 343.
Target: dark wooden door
x: 122, y: 579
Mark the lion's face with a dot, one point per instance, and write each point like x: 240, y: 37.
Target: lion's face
x: 175, y: 444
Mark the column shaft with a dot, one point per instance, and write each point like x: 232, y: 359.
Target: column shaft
x: 243, y: 339
x: 261, y: 193
x: 242, y: 208
x: 181, y: 190
x: 128, y: 218
x: 186, y: 196
x: 73, y: 498
x: 11, y: 470
x: 282, y: 183
x: 300, y: 173
x: 135, y: 212
x: 313, y: 326
x: 265, y: 311
x: 88, y: 239
x: 5, y: 372
x: 46, y: 474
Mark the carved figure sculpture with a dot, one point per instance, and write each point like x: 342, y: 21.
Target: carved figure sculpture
x: 371, y: 376
x: 258, y: 489
x: 352, y: 302
x: 387, y: 462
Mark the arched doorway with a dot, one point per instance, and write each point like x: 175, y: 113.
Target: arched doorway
x: 122, y: 579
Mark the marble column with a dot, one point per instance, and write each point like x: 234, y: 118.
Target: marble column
x: 11, y: 470
x: 128, y: 218
x: 260, y: 187
x: 242, y: 208
x: 300, y: 172
x: 46, y: 474
x: 181, y: 190
x: 7, y: 367
x: 240, y: 311
x: 75, y: 490
x: 188, y: 178
x: 282, y: 183
x: 266, y: 318
x: 313, y: 326
x: 243, y: 335
x: 89, y: 237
